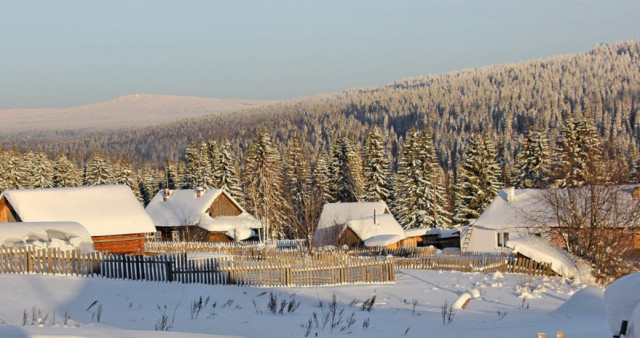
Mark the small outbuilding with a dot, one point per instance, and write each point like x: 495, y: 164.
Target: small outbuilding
x: 210, y: 215
x: 368, y: 224
x: 111, y: 214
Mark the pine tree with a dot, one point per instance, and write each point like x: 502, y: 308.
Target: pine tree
x: 321, y: 176
x: 579, y: 154
x: 533, y: 161
x: 215, y: 159
x: 347, y: 183
x: 65, y: 173
x: 127, y: 176
x: 263, y: 184
x: 421, y: 199
x: 376, y: 168
x: 172, y: 174
x: 477, y: 182
x: 297, y: 180
x: 99, y: 171
x: 41, y: 171
x: 15, y: 174
x: 191, y: 159
x: 204, y: 173
x: 226, y: 172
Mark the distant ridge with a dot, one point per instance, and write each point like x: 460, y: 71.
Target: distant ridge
x: 127, y: 111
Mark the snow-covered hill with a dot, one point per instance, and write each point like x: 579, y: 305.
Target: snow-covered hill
x: 127, y: 111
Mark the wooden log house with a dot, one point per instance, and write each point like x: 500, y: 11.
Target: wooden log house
x: 208, y: 215
x: 111, y: 214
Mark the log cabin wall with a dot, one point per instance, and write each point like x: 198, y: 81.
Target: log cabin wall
x: 7, y: 214
x: 223, y: 206
x: 131, y: 244
x: 219, y: 237
x: 349, y: 238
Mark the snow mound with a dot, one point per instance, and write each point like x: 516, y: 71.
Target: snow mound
x: 620, y: 299
x: 541, y: 250
x: 633, y: 330
x: 586, y: 302
x: 462, y: 300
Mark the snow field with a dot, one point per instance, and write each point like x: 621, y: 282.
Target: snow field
x: 508, y: 305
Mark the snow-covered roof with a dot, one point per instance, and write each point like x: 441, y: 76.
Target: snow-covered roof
x: 539, y: 249
x: 385, y: 231
x: 340, y: 213
x: 359, y: 217
x: 512, y: 208
x: 526, y: 208
x: 103, y: 210
x: 63, y: 235
x: 441, y: 233
x: 184, y: 207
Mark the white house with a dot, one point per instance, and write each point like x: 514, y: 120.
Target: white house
x: 358, y: 224
x: 510, y: 215
x: 201, y: 215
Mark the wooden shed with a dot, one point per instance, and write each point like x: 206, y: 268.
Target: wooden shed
x: 111, y: 214
x: 209, y: 215
x: 361, y: 224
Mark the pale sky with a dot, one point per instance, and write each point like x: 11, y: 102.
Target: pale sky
x: 67, y: 53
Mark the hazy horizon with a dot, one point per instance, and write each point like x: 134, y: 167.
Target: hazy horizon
x: 65, y: 53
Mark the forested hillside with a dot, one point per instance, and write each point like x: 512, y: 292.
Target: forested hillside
x: 501, y: 100
x: 436, y: 149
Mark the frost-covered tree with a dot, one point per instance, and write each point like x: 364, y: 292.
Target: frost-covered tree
x: 126, y: 175
x: 298, y: 186
x: 99, y: 171
x: 263, y: 185
x: 578, y: 154
x: 477, y: 183
x: 533, y: 161
x: 191, y: 159
x: 420, y: 194
x: 346, y: 170
x: 321, y: 176
x: 41, y: 171
x: 376, y: 168
x: 204, y: 174
x: 226, y: 172
x: 65, y: 173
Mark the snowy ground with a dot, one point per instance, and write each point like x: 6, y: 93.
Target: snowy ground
x: 132, y: 309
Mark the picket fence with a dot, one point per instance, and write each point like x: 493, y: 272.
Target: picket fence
x: 184, y: 268
x: 239, y: 271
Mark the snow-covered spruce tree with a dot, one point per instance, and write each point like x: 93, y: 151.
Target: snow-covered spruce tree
x: 65, y: 173
x: 214, y: 155
x: 578, y: 156
x: 204, y: 172
x: 303, y: 196
x: 172, y: 173
x: 191, y: 159
x: 149, y: 182
x: 41, y: 171
x: 226, y: 172
x: 321, y: 176
x: 420, y: 194
x: 126, y: 175
x: 99, y: 171
x: 376, y: 168
x: 533, y: 161
x: 263, y: 185
x: 346, y: 181
x: 15, y: 174
x: 477, y: 183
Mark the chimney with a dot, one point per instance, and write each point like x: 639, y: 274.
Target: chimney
x: 199, y: 192
x: 166, y: 194
x: 511, y: 193
x: 636, y: 192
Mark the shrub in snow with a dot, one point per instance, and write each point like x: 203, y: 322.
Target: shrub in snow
x: 620, y: 299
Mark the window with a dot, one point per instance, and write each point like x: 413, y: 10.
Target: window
x: 175, y: 235
x: 501, y: 239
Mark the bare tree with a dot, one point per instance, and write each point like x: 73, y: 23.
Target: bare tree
x: 594, y: 222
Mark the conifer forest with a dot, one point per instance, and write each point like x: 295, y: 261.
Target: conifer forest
x: 437, y: 149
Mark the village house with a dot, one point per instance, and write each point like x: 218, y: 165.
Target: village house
x: 516, y: 213
x: 361, y: 224
x: 209, y: 215
x: 111, y: 214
